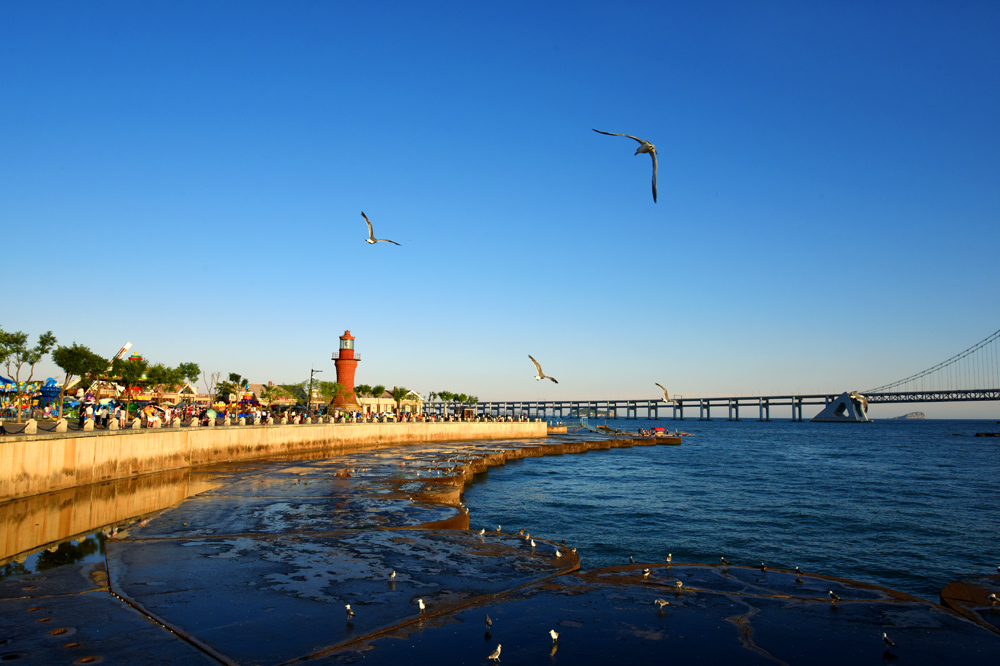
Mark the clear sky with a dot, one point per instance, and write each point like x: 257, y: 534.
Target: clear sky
x: 189, y: 176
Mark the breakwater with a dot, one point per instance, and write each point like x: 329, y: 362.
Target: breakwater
x: 35, y: 464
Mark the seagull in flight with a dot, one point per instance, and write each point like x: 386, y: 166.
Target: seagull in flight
x: 371, y: 233
x: 644, y: 147
x: 541, y: 375
x: 666, y: 396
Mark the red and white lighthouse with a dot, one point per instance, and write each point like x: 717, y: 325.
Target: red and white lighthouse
x: 347, y: 362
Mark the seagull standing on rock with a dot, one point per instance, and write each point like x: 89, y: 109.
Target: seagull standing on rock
x: 420, y: 603
x: 541, y: 375
x: 644, y: 147
x: 725, y: 562
x: 833, y: 597
x: 371, y: 233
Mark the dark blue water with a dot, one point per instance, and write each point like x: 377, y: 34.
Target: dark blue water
x: 911, y: 505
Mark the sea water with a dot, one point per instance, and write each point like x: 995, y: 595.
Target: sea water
x: 908, y: 504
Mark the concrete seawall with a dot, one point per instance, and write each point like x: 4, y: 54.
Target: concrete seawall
x: 34, y: 464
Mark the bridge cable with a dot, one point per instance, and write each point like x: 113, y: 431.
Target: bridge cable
x: 962, y: 369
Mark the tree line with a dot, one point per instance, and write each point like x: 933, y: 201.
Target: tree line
x: 86, y: 366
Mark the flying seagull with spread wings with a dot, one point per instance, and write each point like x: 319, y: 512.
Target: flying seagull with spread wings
x: 371, y: 233
x: 644, y: 147
x: 666, y: 396
x: 541, y: 375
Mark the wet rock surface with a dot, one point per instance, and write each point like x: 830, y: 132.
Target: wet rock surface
x: 258, y: 569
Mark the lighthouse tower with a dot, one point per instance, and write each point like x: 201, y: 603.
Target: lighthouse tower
x: 347, y: 363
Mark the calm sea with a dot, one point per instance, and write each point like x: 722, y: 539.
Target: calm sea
x: 911, y: 505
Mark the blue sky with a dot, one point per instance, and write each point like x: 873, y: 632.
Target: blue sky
x: 190, y: 177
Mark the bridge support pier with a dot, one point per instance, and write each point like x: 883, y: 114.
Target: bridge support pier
x: 734, y: 408
x: 704, y: 411
x: 765, y: 410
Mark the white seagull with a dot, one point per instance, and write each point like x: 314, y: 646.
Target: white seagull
x: 495, y: 655
x: 661, y: 603
x: 420, y: 602
x: 541, y: 375
x: 644, y: 147
x: 993, y: 599
x: 645, y: 574
x: 670, y: 558
x: 350, y: 613
x: 371, y: 233
x: 558, y: 553
x: 666, y: 395
x: 554, y: 634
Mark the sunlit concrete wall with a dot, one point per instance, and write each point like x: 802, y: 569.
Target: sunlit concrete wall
x: 33, y: 464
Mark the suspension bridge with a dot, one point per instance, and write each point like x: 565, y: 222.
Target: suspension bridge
x: 948, y: 381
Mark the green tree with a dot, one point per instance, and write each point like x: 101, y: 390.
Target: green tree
x: 296, y: 391
x: 398, y: 393
x: 330, y: 390
x: 378, y: 391
x: 129, y: 373
x: 16, y: 353
x: 78, y: 361
x: 189, y: 371
x: 269, y: 394
x: 163, y: 379
x: 235, y: 385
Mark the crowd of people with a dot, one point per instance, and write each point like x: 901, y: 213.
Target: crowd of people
x: 151, y: 415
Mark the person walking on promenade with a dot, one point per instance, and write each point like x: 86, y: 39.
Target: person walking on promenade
x: 82, y: 416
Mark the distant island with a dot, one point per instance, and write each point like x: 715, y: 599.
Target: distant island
x: 911, y: 415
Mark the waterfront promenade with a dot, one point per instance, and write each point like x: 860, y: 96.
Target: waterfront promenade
x: 257, y: 564
x: 45, y: 462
